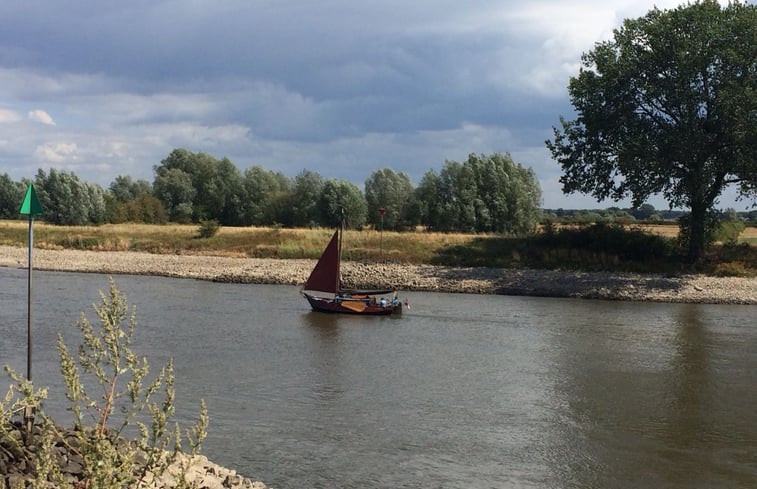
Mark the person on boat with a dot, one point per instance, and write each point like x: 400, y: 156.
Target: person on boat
x: 383, y: 302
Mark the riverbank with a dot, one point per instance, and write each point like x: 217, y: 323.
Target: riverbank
x: 480, y: 280
x: 197, y: 471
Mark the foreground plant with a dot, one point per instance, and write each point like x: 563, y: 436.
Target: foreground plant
x: 106, y: 365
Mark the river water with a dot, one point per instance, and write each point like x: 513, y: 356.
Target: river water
x: 462, y: 391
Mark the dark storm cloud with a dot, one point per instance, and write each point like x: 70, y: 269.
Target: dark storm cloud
x: 342, y: 88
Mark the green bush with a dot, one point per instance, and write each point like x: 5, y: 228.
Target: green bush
x: 208, y: 229
x: 121, y: 396
x: 729, y: 228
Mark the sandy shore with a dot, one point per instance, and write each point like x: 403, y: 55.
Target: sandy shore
x: 550, y: 283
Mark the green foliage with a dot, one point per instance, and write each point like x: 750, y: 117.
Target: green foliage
x: 208, y: 228
x: 729, y: 228
x: 265, y: 195
x: 69, y: 201
x: 393, y: 192
x: 596, y: 247
x: 125, y: 189
x: 342, y: 198
x: 122, y: 396
x: 133, y: 201
x: 145, y: 208
x: 303, y: 200
x: 667, y: 107
x: 11, y: 196
x: 196, y: 186
x: 483, y: 194
x: 173, y: 187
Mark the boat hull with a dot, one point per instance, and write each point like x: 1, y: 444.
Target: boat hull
x: 348, y: 305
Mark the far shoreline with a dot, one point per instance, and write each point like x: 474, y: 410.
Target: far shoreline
x: 405, y: 278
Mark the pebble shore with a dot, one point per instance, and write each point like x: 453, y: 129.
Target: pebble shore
x: 198, y: 471
x: 480, y: 280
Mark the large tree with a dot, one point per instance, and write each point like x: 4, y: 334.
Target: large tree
x: 483, y: 194
x: 264, y: 196
x: 217, y: 186
x: 393, y: 192
x: 339, y: 200
x: 303, y: 199
x: 69, y: 201
x: 668, y: 106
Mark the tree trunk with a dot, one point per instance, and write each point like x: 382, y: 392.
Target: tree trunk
x: 697, y: 233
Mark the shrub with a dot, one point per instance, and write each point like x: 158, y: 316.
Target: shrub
x: 729, y: 228
x: 118, y: 376
x: 208, y: 229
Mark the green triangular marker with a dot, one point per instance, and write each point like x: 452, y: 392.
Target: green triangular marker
x: 31, y: 204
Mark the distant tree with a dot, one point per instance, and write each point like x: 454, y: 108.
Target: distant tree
x: 338, y: 195
x: 97, y: 208
x: 428, y: 201
x: 395, y: 194
x: 730, y: 227
x: 644, y: 211
x: 125, y: 189
x: 11, y: 196
x: 146, y: 209
x: 67, y: 200
x: 667, y: 107
x: 483, y: 194
x: 173, y: 187
x: 304, y: 198
x: 263, y: 194
x: 508, y: 195
x: 217, y: 186
x: 458, y: 196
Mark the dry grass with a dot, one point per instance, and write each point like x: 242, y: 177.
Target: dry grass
x: 233, y: 241
x: 367, y: 245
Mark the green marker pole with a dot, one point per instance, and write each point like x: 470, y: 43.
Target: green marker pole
x: 29, y: 300
x: 31, y: 207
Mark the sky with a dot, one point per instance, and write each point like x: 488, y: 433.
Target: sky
x: 339, y: 87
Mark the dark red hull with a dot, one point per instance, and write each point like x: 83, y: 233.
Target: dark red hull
x: 352, y: 306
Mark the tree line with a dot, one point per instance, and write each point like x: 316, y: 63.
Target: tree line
x: 482, y: 194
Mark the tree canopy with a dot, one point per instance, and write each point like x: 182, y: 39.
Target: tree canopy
x: 669, y: 107
x: 483, y: 194
x: 11, y: 196
x: 393, y: 192
x: 68, y: 200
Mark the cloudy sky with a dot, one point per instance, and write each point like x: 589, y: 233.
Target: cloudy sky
x: 341, y: 87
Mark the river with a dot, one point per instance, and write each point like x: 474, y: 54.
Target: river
x: 461, y: 391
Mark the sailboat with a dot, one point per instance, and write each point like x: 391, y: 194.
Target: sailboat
x: 323, y: 289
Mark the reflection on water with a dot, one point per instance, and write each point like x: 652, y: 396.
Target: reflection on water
x: 461, y: 391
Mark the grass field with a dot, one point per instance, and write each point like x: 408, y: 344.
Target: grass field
x: 647, y: 248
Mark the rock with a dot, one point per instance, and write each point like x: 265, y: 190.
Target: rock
x: 198, y: 471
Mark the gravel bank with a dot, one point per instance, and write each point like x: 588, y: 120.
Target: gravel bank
x: 549, y: 283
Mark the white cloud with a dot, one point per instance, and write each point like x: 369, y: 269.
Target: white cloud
x: 56, y: 152
x: 8, y: 116
x: 42, y: 117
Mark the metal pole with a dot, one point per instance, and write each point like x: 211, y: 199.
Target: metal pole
x: 29, y: 412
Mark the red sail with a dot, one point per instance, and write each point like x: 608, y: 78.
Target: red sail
x: 325, y: 275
